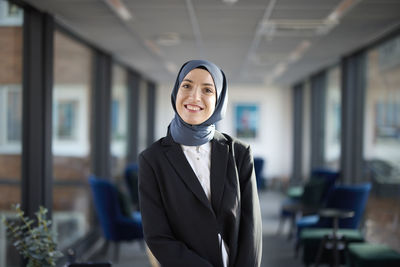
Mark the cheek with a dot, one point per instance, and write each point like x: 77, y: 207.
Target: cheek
x: 211, y: 105
x: 179, y: 99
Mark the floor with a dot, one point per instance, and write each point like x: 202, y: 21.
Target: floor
x: 277, y: 249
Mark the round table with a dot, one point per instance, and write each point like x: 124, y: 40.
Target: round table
x: 335, y: 214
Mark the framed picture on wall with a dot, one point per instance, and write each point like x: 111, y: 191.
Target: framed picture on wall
x: 247, y: 116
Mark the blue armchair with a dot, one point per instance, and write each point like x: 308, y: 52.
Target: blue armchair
x: 258, y: 169
x: 306, y: 199
x: 343, y: 197
x: 116, y: 226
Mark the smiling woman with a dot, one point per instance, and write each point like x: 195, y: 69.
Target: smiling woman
x: 197, y: 186
x: 196, y: 97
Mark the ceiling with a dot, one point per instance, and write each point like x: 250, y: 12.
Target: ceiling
x: 266, y: 42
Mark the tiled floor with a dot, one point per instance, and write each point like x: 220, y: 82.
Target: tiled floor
x: 277, y: 250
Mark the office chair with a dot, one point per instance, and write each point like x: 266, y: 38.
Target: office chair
x: 308, y: 198
x: 116, y: 226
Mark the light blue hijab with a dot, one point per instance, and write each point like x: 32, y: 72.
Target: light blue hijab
x: 196, y: 135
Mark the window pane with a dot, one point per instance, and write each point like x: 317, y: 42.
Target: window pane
x: 382, y: 142
x: 333, y: 119
x: 71, y: 139
x: 119, y: 120
x: 11, y: 33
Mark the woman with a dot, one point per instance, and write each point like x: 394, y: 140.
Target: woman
x: 197, y: 186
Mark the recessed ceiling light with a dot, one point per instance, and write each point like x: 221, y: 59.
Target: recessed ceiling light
x: 229, y: 2
x: 169, y: 39
x: 119, y: 8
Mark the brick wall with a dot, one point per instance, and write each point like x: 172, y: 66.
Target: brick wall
x: 10, y: 55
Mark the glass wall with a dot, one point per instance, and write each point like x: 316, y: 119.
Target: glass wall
x: 119, y: 120
x: 11, y: 43
x: 382, y: 141
x: 332, y: 119
x: 71, y: 138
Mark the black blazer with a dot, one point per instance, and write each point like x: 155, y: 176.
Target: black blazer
x: 181, y: 225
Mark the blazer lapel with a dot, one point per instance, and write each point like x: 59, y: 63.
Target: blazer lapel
x: 219, y: 162
x: 177, y: 159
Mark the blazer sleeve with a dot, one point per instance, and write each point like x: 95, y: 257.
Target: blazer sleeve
x: 250, y: 232
x: 169, y: 251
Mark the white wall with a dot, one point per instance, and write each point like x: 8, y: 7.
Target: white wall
x: 274, y: 141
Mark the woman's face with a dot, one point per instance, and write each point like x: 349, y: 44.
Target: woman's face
x: 196, y: 98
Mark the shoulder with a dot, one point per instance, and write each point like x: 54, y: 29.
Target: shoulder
x: 236, y: 144
x: 152, y: 150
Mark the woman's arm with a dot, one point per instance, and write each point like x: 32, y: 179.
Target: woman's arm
x: 250, y: 232
x: 157, y: 232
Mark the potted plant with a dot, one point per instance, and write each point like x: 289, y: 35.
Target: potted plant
x: 34, y: 240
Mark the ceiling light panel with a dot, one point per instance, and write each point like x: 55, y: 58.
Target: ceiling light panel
x: 119, y: 8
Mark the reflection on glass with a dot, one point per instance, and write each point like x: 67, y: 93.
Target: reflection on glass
x: 66, y: 119
x: 11, y: 20
x: 119, y: 120
x: 382, y: 142
x: 71, y: 139
x: 332, y: 119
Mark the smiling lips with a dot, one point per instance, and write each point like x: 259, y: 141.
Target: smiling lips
x: 193, y: 107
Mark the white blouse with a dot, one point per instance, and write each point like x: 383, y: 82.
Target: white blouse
x: 199, y: 158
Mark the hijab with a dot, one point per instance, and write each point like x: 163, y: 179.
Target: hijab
x: 196, y: 135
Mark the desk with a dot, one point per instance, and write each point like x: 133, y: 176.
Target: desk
x: 332, y: 241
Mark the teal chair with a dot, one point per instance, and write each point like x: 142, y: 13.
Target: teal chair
x: 372, y: 255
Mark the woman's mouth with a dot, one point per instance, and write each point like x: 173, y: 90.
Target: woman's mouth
x: 193, y: 107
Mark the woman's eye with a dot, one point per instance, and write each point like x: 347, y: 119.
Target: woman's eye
x: 185, y: 86
x: 209, y: 90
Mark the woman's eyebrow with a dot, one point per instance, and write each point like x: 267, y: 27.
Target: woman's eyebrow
x: 187, y: 80
x: 209, y: 84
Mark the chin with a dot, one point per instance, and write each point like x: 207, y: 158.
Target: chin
x: 193, y: 122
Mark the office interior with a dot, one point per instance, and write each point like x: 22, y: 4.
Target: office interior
x: 85, y: 87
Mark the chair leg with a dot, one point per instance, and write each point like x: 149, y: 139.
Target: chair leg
x: 280, y: 225
x: 320, y: 250
x: 296, y: 249
x: 116, y: 251
x: 292, y: 230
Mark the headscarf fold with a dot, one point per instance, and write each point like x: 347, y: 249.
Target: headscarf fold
x: 195, y: 135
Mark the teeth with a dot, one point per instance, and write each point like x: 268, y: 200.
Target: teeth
x: 192, y: 107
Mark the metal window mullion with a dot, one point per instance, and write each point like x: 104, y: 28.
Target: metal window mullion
x: 151, y: 95
x: 318, y: 93
x: 133, y: 115
x: 101, y: 115
x: 298, y: 91
x: 37, y: 105
x: 353, y: 98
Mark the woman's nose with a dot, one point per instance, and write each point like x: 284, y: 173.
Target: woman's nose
x: 196, y: 93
